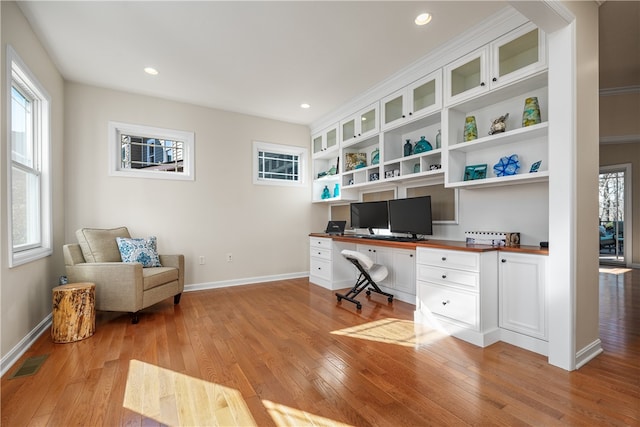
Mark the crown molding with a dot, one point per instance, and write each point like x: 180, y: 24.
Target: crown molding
x: 490, y: 29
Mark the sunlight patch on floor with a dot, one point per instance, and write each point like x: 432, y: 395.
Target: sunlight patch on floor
x: 393, y: 331
x: 285, y: 416
x: 614, y: 270
x: 176, y: 399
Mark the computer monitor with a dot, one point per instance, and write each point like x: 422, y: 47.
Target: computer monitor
x: 369, y: 215
x: 412, y: 216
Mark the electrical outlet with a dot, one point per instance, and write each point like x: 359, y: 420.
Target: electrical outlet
x: 202, y: 262
x: 229, y: 257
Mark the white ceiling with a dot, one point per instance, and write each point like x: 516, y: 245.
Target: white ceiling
x: 260, y: 58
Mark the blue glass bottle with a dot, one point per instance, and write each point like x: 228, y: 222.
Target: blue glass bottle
x: 336, y: 190
x: 422, y: 146
x: 326, y: 194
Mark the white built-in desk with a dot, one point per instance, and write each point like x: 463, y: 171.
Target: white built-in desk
x: 479, y: 293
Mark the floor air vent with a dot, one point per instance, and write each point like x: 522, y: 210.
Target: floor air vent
x: 29, y: 367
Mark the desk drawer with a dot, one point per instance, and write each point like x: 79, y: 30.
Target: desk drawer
x: 449, y: 259
x: 449, y: 277
x: 320, y: 242
x: 321, y: 253
x: 320, y: 268
x: 459, y: 306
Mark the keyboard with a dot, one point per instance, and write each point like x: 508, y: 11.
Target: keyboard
x: 388, y: 238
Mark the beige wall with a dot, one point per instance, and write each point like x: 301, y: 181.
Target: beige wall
x: 587, y: 95
x: 222, y: 211
x: 25, y: 291
x: 617, y: 154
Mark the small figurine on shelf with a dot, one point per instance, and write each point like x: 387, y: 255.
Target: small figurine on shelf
x: 336, y: 190
x: 499, y: 125
x: 422, y: 146
x: 326, y: 194
x: 408, y: 148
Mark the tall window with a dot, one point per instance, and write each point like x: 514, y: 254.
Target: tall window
x: 278, y: 164
x: 29, y: 181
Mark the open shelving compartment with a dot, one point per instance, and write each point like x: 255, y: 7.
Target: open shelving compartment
x: 396, y: 165
x: 353, y: 176
x: 529, y: 143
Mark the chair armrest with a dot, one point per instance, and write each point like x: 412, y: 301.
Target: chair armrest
x: 175, y: 261
x: 119, y: 285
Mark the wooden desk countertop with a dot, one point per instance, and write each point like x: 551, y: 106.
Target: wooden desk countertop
x: 436, y: 244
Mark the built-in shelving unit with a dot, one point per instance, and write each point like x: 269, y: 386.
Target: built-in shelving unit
x: 486, y: 83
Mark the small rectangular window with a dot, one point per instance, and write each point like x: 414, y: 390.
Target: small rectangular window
x: 277, y: 164
x: 150, y: 152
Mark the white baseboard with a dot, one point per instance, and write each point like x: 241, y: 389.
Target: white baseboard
x: 245, y: 281
x: 16, y: 352
x: 587, y: 353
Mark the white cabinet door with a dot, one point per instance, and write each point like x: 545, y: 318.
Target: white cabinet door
x: 380, y: 255
x: 467, y: 77
x: 517, y: 54
x: 411, y: 102
x: 522, y: 294
x: 325, y: 141
x: 404, y: 271
x: 361, y: 125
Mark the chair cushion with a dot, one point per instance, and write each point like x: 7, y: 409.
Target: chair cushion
x: 364, y: 260
x: 139, y: 250
x: 99, y: 245
x: 156, y: 276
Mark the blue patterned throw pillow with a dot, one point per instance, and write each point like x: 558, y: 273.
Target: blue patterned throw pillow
x: 139, y: 250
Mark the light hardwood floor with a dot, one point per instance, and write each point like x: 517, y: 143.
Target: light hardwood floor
x: 284, y: 353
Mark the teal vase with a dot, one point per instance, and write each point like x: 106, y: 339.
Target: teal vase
x: 326, y: 194
x: 470, y: 129
x: 531, y: 113
x: 375, y: 157
x: 336, y: 190
x: 422, y: 146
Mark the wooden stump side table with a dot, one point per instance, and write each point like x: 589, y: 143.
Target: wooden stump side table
x: 74, y: 312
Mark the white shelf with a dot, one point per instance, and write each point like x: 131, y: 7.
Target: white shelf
x: 523, y: 178
x: 503, y: 138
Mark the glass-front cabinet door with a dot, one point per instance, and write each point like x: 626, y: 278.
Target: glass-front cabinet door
x: 393, y: 108
x: 425, y: 95
x: 467, y: 76
x: 361, y: 125
x: 517, y: 54
x: 325, y: 141
x: 419, y: 98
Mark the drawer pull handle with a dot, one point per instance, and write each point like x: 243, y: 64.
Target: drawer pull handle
x: 319, y: 253
x: 445, y: 302
x: 444, y: 258
x: 503, y: 260
x: 444, y: 276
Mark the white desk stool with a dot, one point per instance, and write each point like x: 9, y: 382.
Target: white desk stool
x: 370, y: 273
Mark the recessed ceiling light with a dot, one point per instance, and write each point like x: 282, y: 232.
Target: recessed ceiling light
x: 305, y: 105
x: 423, y: 19
x: 151, y: 70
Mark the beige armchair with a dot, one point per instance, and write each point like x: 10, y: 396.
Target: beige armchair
x: 121, y: 286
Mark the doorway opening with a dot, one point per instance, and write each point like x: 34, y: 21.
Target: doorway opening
x: 614, y: 201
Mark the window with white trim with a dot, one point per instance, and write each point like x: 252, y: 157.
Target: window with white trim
x: 276, y: 164
x: 29, y: 183
x: 150, y: 152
